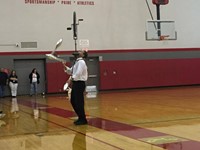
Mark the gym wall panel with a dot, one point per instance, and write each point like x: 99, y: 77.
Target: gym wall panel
x: 55, y: 77
x: 124, y: 69
x: 149, y: 73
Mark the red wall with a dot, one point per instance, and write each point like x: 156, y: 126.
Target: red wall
x: 123, y: 74
x: 56, y: 77
x: 134, y: 74
x: 149, y: 73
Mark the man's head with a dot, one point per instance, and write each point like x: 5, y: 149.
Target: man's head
x: 80, y: 53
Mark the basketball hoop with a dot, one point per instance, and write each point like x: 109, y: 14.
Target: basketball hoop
x: 166, y: 31
x: 163, y: 37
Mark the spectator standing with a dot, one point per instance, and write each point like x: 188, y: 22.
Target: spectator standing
x: 13, y: 83
x: 34, y: 77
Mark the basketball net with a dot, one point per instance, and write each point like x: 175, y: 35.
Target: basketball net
x: 163, y: 37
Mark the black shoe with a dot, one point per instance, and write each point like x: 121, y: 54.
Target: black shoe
x: 80, y: 122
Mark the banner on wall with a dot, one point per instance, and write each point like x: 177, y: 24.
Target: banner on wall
x: 62, y: 2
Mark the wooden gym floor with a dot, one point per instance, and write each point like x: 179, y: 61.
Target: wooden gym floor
x: 139, y: 119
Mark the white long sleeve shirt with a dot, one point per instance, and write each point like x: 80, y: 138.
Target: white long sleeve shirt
x: 78, y: 71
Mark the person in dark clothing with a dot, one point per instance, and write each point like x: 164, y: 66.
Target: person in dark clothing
x: 3, y: 82
x: 34, y: 80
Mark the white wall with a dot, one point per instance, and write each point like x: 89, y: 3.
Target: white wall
x: 108, y: 24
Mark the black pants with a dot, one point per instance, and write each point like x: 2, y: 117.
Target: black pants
x: 77, y: 99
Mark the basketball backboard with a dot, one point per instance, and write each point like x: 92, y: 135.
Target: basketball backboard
x: 160, y: 30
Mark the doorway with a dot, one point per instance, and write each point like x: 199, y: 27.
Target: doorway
x: 23, y: 69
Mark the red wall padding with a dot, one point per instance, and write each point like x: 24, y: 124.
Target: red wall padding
x: 56, y: 77
x: 134, y: 74
x: 149, y: 73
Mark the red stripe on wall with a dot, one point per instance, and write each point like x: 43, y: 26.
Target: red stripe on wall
x: 67, y: 52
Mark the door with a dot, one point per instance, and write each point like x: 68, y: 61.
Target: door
x: 23, y: 69
x: 93, y: 71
